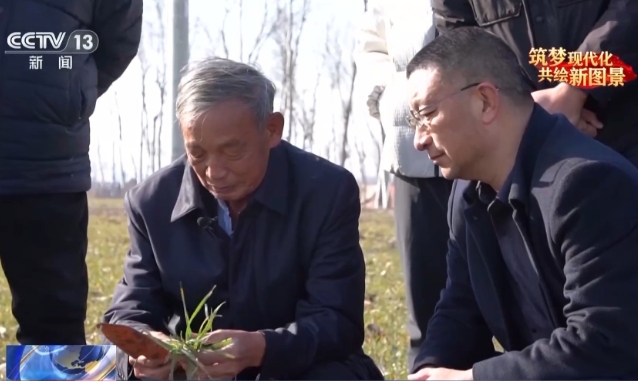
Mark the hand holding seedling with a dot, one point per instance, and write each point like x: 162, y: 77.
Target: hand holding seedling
x: 152, y: 369
x: 160, y: 358
x: 246, y: 350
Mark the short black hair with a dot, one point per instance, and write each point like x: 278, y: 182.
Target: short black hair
x: 476, y: 55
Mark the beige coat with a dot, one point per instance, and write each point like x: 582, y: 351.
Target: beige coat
x: 390, y: 34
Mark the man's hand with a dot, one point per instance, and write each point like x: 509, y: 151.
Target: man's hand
x: 246, y: 350
x: 149, y: 369
x: 564, y: 99
x: 441, y: 374
x: 588, y: 123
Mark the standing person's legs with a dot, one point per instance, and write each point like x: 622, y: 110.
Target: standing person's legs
x: 422, y: 235
x: 43, y: 242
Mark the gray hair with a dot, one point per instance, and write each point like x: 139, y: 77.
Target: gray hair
x: 214, y: 80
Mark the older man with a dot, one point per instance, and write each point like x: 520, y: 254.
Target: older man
x: 543, y: 226
x: 273, y: 228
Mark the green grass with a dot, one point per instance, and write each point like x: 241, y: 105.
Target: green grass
x: 385, y: 316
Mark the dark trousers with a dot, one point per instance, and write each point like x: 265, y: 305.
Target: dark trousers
x: 420, y: 214
x: 43, y: 242
x: 357, y: 367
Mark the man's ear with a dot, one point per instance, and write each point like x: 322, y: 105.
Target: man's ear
x: 490, y: 102
x: 274, y: 128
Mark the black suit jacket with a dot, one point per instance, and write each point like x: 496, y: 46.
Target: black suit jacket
x: 577, y: 201
x: 296, y: 269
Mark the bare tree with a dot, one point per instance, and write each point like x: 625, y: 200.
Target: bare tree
x: 359, y: 147
x: 203, y: 34
x: 154, y: 78
x: 100, y: 164
x: 342, y: 71
x: 161, y: 83
x: 222, y: 31
x: 144, y: 68
x: 118, y: 116
x: 266, y: 31
x: 236, y: 8
x: 305, y: 114
x: 290, y: 21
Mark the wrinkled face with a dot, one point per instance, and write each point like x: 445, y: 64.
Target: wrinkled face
x: 228, y: 150
x: 449, y: 118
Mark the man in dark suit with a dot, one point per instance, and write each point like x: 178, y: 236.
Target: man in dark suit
x: 543, y: 251
x: 273, y: 228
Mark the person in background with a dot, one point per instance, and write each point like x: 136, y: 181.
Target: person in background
x: 390, y: 34
x: 543, y: 226
x: 607, y: 113
x: 45, y: 171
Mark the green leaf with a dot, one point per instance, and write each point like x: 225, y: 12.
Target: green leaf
x: 209, y: 323
x: 202, y: 327
x: 192, y: 371
x: 189, y: 345
x: 188, y: 329
x: 171, y: 376
x: 218, y: 346
x: 166, y: 345
x: 196, y: 312
x: 194, y: 360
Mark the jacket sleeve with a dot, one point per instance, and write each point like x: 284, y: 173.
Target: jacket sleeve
x: 138, y: 298
x: 615, y: 32
x: 451, y: 14
x: 597, y: 233
x: 329, y: 319
x: 457, y: 334
x: 118, y: 25
x: 375, y: 68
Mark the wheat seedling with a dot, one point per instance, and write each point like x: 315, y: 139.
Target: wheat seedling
x: 190, y: 344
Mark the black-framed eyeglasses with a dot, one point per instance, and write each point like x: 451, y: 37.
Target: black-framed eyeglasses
x: 415, y: 120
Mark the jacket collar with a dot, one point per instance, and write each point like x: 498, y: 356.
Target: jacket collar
x: 538, y: 128
x: 272, y: 192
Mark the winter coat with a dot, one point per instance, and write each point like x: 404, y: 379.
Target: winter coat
x: 390, y: 34
x: 45, y: 110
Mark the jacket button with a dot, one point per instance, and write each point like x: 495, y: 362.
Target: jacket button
x: 539, y: 19
x: 475, y: 217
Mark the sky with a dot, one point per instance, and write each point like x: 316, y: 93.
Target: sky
x: 123, y: 101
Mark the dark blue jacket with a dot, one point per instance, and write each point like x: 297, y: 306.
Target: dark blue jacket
x: 293, y: 267
x: 576, y: 202
x: 44, y: 114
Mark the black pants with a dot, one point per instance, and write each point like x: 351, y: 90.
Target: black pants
x: 43, y: 242
x: 420, y: 214
x: 357, y: 367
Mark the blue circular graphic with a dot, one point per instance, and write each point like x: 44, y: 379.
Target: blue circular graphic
x: 63, y: 362
x: 76, y: 360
